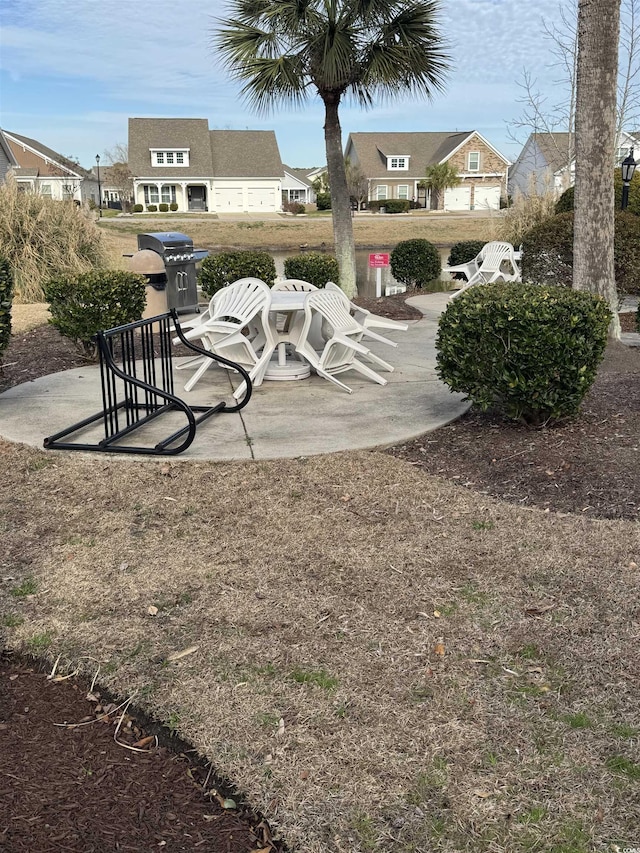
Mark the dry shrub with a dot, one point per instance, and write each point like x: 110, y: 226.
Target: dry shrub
x: 42, y: 238
x: 528, y: 211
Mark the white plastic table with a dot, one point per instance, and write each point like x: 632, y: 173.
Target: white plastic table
x: 281, y: 368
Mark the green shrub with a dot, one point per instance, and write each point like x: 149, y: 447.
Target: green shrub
x: 85, y: 304
x: 6, y: 297
x: 529, y: 352
x: 151, y: 208
x: 138, y: 208
x: 465, y: 250
x: 323, y: 201
x: 163, y: 207
x: 294, y: 207
x: 547, y: 252
x: 173, y: 205
x: 313, y: 267
x: 375, y: 205
x: 415, y: 262
x: 226, y: 267
x: 566, y: 200
x: 397, y: 205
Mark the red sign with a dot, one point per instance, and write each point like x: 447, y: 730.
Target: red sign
x: 379, y: 259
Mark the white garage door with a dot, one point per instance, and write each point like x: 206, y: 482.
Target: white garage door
x: 261, y: 198
x: 457, y: 198
x: 229, y: 200
x: 486, y: 198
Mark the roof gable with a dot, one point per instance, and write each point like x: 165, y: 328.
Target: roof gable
x: 167, y: 133
x: 245, y: 154
x: 31, y: 154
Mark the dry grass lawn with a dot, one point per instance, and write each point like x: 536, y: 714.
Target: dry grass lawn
x: 378, y: 659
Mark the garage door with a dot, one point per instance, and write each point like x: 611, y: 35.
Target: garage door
x: 457, y: 198
x: 262, y: 198
x: 486, y: 198
x: 228, y: 200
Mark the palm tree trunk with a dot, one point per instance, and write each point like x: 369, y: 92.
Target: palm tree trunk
x: 340, y: 203
x: 594, y: 221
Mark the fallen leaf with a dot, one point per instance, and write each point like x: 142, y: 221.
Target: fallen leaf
x: 145, y: 741
x: 482, y: 794
x: 228, y: 803
x: 280, y: 731
x: 345, y: 498
x: 437, y: 614
x: 152, y: 611
x: 439, y: 649
x: 177, y: 655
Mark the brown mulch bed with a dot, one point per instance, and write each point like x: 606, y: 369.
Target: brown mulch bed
x: 73, y: 788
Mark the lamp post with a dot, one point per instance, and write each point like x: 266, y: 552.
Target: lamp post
x: 628, y: 168
x: 99, y: 186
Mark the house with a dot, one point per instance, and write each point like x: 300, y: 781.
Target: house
x: 395, y: 163
x: 296, y: 186
x: 547, y: 162
x: 41, y: 170
x: 181, y: 161
x: 7, y: 160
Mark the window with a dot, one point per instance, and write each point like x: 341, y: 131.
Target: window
x: 168, y: 193
x: 45, y: 189
x: 151, y: 194
x: 169, y: 158
x: 397, y: 162
x: 403, y: 191
x: 474, y: 161
x: 381, y: 192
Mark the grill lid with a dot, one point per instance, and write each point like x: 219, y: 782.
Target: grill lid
x: 161, y: 241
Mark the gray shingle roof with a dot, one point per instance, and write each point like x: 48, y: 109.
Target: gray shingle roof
x: 300, y: 174
x: 554, y: 147
x: 423, y: 149
x: 191, y: 133
x: 245, y: 154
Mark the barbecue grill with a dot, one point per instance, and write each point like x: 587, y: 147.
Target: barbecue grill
x: 179, y: 258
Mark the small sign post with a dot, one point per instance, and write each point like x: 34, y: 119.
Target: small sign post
x: 378, y: 260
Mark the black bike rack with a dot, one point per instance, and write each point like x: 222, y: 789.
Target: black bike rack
x: 136, y: 372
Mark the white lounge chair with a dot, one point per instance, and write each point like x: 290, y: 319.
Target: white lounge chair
x: 343, y: 343
x: 495, y: 257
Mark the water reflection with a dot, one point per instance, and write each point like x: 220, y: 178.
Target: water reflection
x: 366, y: 275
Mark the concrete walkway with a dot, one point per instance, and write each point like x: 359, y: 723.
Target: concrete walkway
x: 282, y: 419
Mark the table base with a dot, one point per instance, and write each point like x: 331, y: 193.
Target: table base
x: 286, y: 372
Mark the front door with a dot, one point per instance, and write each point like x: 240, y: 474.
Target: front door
x: 197, y: 197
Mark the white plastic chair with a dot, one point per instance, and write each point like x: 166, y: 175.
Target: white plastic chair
x: 470, y: 268
x: 370, y: 321
x: 238, y: 328
x: 495, y: 256
x: 342, y: 346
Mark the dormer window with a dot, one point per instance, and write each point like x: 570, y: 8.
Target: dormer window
x: 399, y: 162
x: 166, y: 157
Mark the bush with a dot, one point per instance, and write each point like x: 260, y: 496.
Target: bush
x: 374, y: 206
x: 151, y: 208
x: 42, y: 238
x: 547, y: 252
x: 566, y: 201
x: 6, y: 296
x: 138, y: 208
x: 294, y: 207
x: 173, y: 205
x: 323, y: 201
x: 529, y: 352
x: 415, y: 262
x: 465, y: 250
x: 313, y: 267
x: 397, y: 205
x: 226, y: 267
x: 85, y: 304
x: 163, y: 207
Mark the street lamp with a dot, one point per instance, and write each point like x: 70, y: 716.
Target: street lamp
x: 628, y: 168
x: 99, y: 186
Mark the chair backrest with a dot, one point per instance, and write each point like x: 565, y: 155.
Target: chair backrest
x: 241, y: 301
x: 334, y: 306
x: 493, y: 254
x: 294, y: 284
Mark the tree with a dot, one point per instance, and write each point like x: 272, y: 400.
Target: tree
x: 438, y: 178
x: 597, y: 70
x: 357, y: 183
x: 120, y: 175
x: 282, y: 51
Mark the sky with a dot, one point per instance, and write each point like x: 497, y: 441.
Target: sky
x: 73, y: 71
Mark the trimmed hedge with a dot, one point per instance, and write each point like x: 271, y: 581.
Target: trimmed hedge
x: 173, y: 205
x: 91, y: 302
x: 529, y: 352
x: 313, y: 267
x: 566, y: 201
x: 391, y: 205
x: 152, y: 208
x: 163, y: 207
x: 138, y: 208
x: 415, y: 262
x: 226, y: 267
x: 6, y: 298
x: 547, y: 252
x: 462, y: 252
x: 323, y: 201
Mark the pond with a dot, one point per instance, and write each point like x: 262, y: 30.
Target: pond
x: 366, y: 275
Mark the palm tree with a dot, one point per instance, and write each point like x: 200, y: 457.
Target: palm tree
x: 597, y: 74
x: 437, y: 178
x: 282, y: 51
